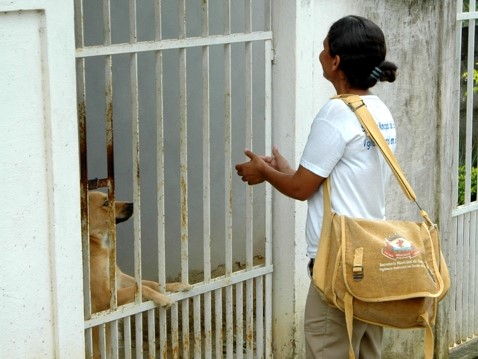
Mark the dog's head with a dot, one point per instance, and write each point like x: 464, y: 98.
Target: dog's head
x: 99, y: 211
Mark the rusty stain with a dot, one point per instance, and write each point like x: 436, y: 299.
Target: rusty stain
x: 184, y: 203
x: 175, y: 351
x: 109, y: 140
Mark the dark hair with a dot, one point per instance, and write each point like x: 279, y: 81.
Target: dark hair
x: 360, y: 44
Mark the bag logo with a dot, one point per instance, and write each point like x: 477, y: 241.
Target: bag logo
x: 397, y: 247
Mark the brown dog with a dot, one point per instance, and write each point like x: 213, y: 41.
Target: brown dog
x: 99, y: 216
x: 99, y: 222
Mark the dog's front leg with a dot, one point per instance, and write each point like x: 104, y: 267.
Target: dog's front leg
x: 127, y: 295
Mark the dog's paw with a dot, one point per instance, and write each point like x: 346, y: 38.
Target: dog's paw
x: 164, y: 301
x: 181, y: 287
x: 178, y: 287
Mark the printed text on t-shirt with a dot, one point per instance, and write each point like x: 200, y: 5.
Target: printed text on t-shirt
x: 384, y: 127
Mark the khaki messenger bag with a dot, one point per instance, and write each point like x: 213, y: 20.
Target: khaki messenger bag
x: 388, y: 273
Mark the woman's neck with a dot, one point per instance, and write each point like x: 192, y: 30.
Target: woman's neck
x: 342, y: 87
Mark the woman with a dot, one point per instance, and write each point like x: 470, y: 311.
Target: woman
x: 353, y: 60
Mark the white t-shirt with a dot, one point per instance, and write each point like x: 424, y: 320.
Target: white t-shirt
x: 338, y: 148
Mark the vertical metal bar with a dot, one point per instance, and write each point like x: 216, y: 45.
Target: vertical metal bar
x: 197, y: 326
x: 239, y: 321
x: 174, y: 332
x: 136, y: 149
x: 228, y: 179
x: 227, y: 137
x: 218, y: 322
x: 102, y: 340
x: 249, y: 189
x: 136, y: 176
x: 113, y: 326
x: 151, y: 334
x: 459, y: 277
x: 163, y: 330
x: 259, y: 317
x: 183, y: 146
x: 268, y: 191
x: 207, y: 326
x: 229, y: 305
x: 473, y: 265
x: 127, y: 337
x: 206, y: 185
x: 248, y: 134
x: 163, y: 333
x: 183, y: 158
x: 138, y: 329
x: 206, y: 146
x: 472, y: 275
x: 452, y: 292
x: 81, y: 99
x: 469, y: 104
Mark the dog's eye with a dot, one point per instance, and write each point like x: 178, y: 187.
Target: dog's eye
x: 106, y: 203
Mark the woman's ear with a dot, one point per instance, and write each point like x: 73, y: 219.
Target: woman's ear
x: 336, y: 62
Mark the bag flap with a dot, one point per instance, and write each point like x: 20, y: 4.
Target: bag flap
x: 389, y: 260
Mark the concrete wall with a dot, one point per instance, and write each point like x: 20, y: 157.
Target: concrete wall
x: 41, y: 312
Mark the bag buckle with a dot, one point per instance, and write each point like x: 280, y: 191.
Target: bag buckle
x: 357, y: 273
x: 357, y: 268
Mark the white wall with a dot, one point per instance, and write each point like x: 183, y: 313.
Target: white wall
x: 41, y: 312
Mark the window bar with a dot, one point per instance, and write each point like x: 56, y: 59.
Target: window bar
x: 163, y: 328
x: 206, y: 190
x: 127, y: 337
x: 474, y: 254
x: 207, y: 325
x: 136, y: 150
x: 218, y: 322
x: 228, y: 178
x: 151, y: 334
x: 259, y: 317
x: 249, y: 189
x: 183, y: 158
x: 81, y: 99
x: 268, y: 192
x: 239, y: 321
x: 102, y: 341
x: 110, y: 171
x: 174, y: 332
x: 136, y: 174
x: 469, y: 103
x: 472, y: 274
x: 197, y: 326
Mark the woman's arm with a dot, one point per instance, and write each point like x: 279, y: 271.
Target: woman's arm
x: 298, y: 184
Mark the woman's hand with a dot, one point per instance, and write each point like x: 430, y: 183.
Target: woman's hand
x: 278, y: 162
x: 252, y: 172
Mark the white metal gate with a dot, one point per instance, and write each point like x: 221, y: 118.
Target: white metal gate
x: 226, y: 314
x: 463, y: 324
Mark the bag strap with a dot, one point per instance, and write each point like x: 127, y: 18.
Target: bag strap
x: 356, y: 104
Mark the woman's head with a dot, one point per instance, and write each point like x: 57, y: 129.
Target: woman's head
x: 360, y: 45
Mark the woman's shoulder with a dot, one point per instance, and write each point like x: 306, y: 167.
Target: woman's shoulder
x: 333, y: 107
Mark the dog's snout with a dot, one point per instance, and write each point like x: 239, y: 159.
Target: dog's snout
x: 123, y: 211
x: 129, y: 208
